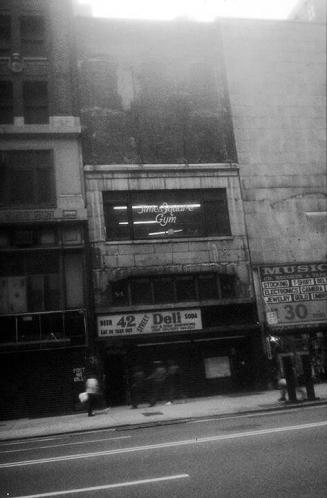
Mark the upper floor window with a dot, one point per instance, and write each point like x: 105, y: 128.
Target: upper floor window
x: 5, y: 34
x: 27, y: 98
x: 25, y: 34
x: 35, y: 97
x: 6, y: 102
x: 160, y: 214
x: 164, y: 289
x: 32, y: 35
x: 26, y: 179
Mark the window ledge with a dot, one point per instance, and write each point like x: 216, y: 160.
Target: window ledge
x: 58, y: 125
x: 101, y: 168
x: 166, y: 241
x: 173, y: 306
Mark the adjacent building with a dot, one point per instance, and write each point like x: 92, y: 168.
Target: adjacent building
x: 171, y: 265
x: 43, y: 220
x: 276, y: 72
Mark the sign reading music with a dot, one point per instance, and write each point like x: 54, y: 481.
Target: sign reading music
x: 295, y: 293
x: 149, y: 322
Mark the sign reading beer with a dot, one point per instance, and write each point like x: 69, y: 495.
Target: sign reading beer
x: 295, y: 294
x: 149, y: 322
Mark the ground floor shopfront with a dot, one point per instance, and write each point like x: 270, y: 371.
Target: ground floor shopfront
x: 213, y: 359
x: 293, y: 298
x: 40, y: 383
x: 300, y: 345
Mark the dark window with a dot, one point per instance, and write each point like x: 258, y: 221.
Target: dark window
x: 30, y: 282
x: 35, y: 96
x: 141, y: 291
x: 172, y: 289
x: 26, y: 179
x: 164, y: 290
x: 43, y: 292
x: 6, y: 102
x: 166, y: 214
x: 185, y: 288
x: 5, y: 34
x: 228, y: 286
x: 32, y: 35
x: 119, y: 292
x: 208, y: 287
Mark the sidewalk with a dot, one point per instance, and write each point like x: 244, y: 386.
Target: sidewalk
x: 124, y: 416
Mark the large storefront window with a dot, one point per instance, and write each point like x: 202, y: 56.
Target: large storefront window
x: 30, y: 283
x: 172, y: 289
x: 162, y: 214
x: 41, y: 268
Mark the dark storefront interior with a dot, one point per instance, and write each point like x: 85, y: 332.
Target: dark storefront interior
x: 218, y: 359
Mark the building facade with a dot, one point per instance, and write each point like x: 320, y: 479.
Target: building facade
x: 276, y: 74
x: 171, y: 267
x: 43, y: 220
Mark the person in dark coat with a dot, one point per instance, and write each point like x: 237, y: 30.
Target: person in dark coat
x: 137, y: 386
x: 173, y: 381
x: 157, y: 381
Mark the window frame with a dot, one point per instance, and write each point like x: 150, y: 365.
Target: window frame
x: 34, y: 38
x: 150, y: 281
x: 6, y: 102
x: 8, y: 170
x: 35, y: 104
x: 210, y: 198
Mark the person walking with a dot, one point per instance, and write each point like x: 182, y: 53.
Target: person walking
x: 92, y: 389
x: 173, y: 381
x: 158, y: 382
x: 137, y: 386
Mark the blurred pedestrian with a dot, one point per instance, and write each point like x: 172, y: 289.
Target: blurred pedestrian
x: 157, y: 380
x: 137, y: 386
x: 92, y: 389
x: 173, y: 381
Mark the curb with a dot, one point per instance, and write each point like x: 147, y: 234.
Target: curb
x: 162, y: 423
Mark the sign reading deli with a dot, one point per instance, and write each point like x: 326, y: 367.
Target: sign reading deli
x: 149, y: 322
x: 294, y: 294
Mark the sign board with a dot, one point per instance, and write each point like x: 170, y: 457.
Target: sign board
x: 149, y: 322
x: 294, y: 294
x: 216, y: 367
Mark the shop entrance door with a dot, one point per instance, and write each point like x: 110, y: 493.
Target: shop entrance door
x: 115, y: 380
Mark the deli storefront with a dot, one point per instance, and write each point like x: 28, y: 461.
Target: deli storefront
x: 218, y: 348
x: 294, y: 298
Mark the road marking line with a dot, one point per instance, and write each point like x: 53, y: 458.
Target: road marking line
x: 108, y: 486
x: 171, y: 444
x: 31, y: 440
x: 278, y: 411
x: 65, y: 444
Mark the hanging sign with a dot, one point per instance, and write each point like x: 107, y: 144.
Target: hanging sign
x: 294, y: 294
x: 149, y: 322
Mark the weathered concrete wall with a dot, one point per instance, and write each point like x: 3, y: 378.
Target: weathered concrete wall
x: 152, y: 92
x: 277, y: 87
x: 118, y: 260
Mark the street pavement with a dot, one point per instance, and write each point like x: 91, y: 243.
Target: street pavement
x: 179, y: 411
x: 275, y: 454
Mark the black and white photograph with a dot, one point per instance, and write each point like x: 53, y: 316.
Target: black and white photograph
x: 163, y: 248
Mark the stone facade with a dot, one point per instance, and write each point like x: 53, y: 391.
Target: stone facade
x: 276, y: 75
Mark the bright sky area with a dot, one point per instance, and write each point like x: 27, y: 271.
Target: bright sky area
x: 201, y: 10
